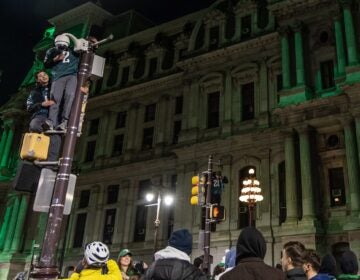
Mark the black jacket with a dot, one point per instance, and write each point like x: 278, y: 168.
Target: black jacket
x: 35, y: 98
x: 296, y: 273
x: 173, y: 269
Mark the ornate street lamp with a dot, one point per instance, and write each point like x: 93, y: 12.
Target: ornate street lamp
x: 251, y: 192
x: 168, y: 200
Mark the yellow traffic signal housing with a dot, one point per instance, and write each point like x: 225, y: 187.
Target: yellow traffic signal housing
x: 217, y: 213
x: 197, y: 191
x: 35, y: 146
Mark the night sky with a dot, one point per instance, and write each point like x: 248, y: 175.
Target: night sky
x: 22, y: 23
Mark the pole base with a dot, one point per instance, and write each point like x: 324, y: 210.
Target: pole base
x: 44, y: 273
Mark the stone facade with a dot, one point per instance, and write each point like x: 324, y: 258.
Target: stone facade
x: 271, y: 86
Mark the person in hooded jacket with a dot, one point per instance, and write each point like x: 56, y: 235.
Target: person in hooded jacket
x: 173, y: 262
x: 311, y: 266
x: 349, y: 266
x: 291, y: 260
x: 229, y: 262
x: 328, y: 266
x: 250, y: 253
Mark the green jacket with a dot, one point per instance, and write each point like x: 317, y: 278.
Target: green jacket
x: 347, y: 277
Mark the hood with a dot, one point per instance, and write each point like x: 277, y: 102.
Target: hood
x: 296, y: 272
x: 348, y: 263
x: 230, y: 258
x: 251, y: 243
x: 171, y: 253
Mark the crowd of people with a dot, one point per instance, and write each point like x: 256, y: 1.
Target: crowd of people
x: 246, y: 261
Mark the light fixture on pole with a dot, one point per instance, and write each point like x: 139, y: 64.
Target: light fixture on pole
x: 251, y: 192
x: 168, y: 200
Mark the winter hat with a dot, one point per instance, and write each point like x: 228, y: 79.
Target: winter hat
x: 348, y: 263
x: 251, y: 243
x: 181, y: 239
x: 328, y: 265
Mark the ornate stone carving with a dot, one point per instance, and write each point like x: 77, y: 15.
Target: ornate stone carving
x: 214, y: 17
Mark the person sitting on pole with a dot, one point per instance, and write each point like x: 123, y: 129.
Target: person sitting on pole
x: 96, y: 264
x: 173, y: 262
x: 64, y: 64
x: 38, y: 104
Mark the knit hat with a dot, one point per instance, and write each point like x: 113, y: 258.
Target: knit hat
x: 181, y: 239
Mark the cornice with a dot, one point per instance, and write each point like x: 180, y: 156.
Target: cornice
x: 157, y: 85
x: 288, y: 10
x: 262, y: 43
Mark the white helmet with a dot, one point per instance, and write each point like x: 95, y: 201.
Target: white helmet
x: 62, y: 40
x: 96, y: 253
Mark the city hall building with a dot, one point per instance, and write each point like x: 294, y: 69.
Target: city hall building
x: 270, y: 85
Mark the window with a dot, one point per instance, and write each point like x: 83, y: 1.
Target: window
x: 246, y: 27
x: 243, y: 207
x: 337, y: 187
x: 90, y: 151
x: 79, y: 230
x: 148, y: 138
x: 94, y: 127
x: 118, y: 145
x: 282, y: 192
x: 247, y: 101
x: 84, y: 199
x: 213, y: 109
x: 152, y: 66
x: 178, y: 105
x: 279, y: 82
x: 150, y: 111
x: 109, y: 225
x: 141, y: 212
x: 112, y: 194
x: 214, y: 38
x: 177, y: 129
x: 120, y: 120
x: 327, y: 74
x: 125, y: 75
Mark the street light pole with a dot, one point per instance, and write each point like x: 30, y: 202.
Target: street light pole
x: 157, y: 221
x: 47, y: 269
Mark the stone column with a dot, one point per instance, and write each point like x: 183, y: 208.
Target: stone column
x: 340, y: 52
x: 357, y: 125
x: 194, y: 104
x: 299, y: 54
x: 291, y: 203
x: 237, y: 34
x: 349, y: 32
x: 207, y: 36
x: 130, y: 215
x: 16, y: 242
x: 352, y: 165
x: 306, y: 174
x: 6, y: 220
x: 161, y: 117
x: 97, y: 196
x: 131, y: 127
x: 3, y: 140
x: 226, y: 108
x: 5, y: 155
x: 12, y: 225
x: 285, y: 56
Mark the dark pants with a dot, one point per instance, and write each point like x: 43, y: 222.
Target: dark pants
x: 55, y: 139
x: 63, y: 88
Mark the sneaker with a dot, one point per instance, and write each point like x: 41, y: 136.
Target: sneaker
x: 47, y: 125
x: 62, y: 126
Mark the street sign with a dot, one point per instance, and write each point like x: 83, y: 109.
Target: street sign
x: 45, y: 191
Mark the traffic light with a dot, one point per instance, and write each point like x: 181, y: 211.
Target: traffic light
x: 217, y: 213
x: 197, y: 190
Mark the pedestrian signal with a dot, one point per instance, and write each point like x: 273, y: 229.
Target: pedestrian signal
x: 197, y: 190
x: 217, y: 213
